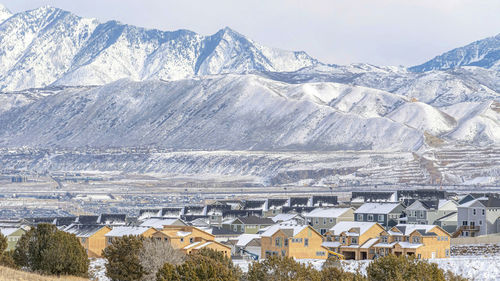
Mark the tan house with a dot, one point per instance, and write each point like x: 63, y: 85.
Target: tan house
x: 190, y: 239
x: 361, y: 240
x: 354, y: 239
x: 92, y: 237
x: 300, y: 242
x: 12, y: 234
x: 120, y: 231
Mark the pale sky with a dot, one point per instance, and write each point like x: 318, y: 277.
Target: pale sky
x: 381, y: 32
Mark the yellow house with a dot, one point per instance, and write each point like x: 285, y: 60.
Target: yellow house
x: 120, y: 231
x: 353, y: 239
x: 362, y: 240
x: 300, y: 242
x: 92, y: 237
x: 190, y: 239
x: 423, y: 241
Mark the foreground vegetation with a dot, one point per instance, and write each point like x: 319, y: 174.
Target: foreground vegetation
x: 10, y: 274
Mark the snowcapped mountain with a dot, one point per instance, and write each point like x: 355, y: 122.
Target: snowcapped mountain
x: 49, y: 46
x: 4, y: 13
x: 237, y: 112
x: 483, y: 53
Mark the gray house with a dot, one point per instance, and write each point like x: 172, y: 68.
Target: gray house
x: 471, y: 219
x: 322, y: 219
x: 428, y: 211
x: 386, y: 214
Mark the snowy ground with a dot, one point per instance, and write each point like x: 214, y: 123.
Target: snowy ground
x: 477, y: 268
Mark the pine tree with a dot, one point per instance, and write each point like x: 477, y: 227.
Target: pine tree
x: 123, y: 259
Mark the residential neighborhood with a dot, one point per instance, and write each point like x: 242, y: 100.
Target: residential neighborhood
x: 371, y: 224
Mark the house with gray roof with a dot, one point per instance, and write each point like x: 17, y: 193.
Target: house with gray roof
x: 386, y: 214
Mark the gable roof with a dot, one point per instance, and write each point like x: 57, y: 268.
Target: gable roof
x: 407, y: 229
x: 120, y: 231
x: 453, y: 216
x: 376, y: 208
x: 6, y: 231
x: 289, y: 230
x: 491, y: 202
x: 159, y: 222
x: 327, y: 212
x: 285, y: 217
x: 244, y: 239
x: 83, y: 230
x: 471, y: 203
x: 256, y: 220
x: 345, y: 226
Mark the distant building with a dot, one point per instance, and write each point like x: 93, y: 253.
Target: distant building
x: 386, y: 214
x: 322, y: 219
x: 12, y: 234
x: 92, y: 237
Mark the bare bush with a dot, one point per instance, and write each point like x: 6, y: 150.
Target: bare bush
x: 154, y: 254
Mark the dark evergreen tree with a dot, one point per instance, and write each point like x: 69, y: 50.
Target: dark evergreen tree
x: 123, y: 259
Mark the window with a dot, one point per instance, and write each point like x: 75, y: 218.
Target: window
x: 278, y: 242
x: 283, y: 253
x: 482, y: 211
x: 415, y: 239
x: 320, y: 253
x: 317, y: 221
x: 354, y: 240
x: 331, y: 220
x: 286, y: 242
x: 384, y: 239
x: 324, y: 221
x: 474, y: 212
x: 422, y: 214
x: 343, y: 240
x: 165, y: 239
x: 322, y: 231
x: 370, y: 217
x: 464, y: 223
x: 480, y: 222
x: 380, y: 217
x: 447, y: 252
x: 306, y: 242
x: 359, y: 217
x: 419, y: 256
x: 182, y: 240
x: 191, y: 240
x: 397, y: 238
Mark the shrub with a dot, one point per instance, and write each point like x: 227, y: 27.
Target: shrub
x: 332, y: 270
x: 123, y: 259
x: 48, y: 250
x: 205, y: 265
x: 154, y: 254
x: 393, y: 268
x: 5, y: 257
x: 282, y: 269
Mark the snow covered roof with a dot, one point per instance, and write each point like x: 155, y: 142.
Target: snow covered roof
x: 283, y: 217
x: 244, y: 239
x: 329, y: 244
x: 159, y: 222
x: 326, y: 212
x: 6, y: 231
x: 376, y: 208
x: 192, y: 245
x: 274, y: 228
x: 453, y: 216
x: 345, y: 226
x: 470, y: 203
x: 407, y: 229
x: 183, y: 233
x: 83, y: 230
x: 409, y: 245
x: 385, y: 245
x: 369, y: 243
x: 120, y: 231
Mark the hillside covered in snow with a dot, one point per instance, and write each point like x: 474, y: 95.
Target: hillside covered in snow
x: 70, y: 82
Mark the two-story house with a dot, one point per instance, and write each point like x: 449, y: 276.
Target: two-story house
x: 471, y: 219
x: 354, y: 240
x: 386, y: 214
x: 322, y: 219
x: 428, y: 211
x: 120, y: 231
x: 250, y: 224
x: 299, y: 242
x: 92, y: 237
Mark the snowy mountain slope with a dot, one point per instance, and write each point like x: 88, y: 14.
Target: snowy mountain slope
x: 49, y: 46
x: 220, y: 112
x: 483, y: 53
x: 424, y: 118
x: 436, y: 88
x: 4, y: 13
x: 480, y: 125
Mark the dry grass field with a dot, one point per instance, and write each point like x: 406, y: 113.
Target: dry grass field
x: 8, y: 274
